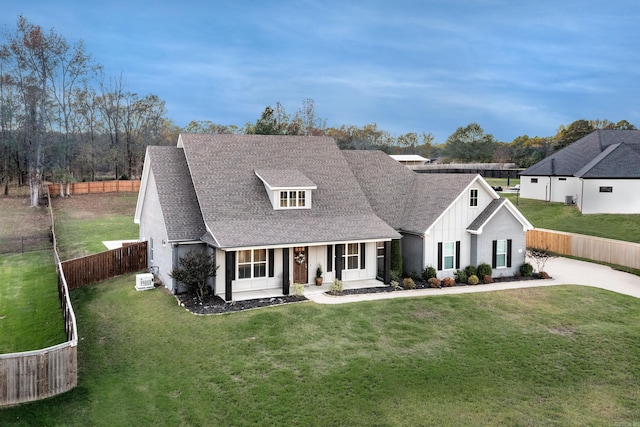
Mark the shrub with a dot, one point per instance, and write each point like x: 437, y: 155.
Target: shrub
x: 448, y: 282
x: 461, y: 276
x: 526, y: 269
x: 396, y: 257
x: 428, y: 273
x: 413, y: 275
x: 194, y: 270
x: 434, y: 282
x: 473, y: 280
x: 298, y: 289
x: 543, y: 275
x: 395, y: 275
x: 484, y: 269
x: 336, y: 286
x: 470, y: 270
x: 395, y: 284
x: 408, y: 283
x: 487, y: 279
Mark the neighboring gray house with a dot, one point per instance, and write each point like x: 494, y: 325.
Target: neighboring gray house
x: 271, y: 208
x: 447, y: 221
x: 600, y: 173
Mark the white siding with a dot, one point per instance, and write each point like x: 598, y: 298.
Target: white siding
x: 624, y: 199
x: 534, y: 190
x: 452, y: 226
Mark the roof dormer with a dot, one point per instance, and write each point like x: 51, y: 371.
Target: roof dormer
x: 287, y: 188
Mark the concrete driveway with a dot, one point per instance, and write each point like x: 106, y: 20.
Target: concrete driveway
x: 564, y: 271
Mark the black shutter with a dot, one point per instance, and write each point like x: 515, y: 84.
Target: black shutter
x: 329, y: 258
x: 509, y: 253
x: 494, y: 254
x: 270, y: 261
x: 458, y: 255
x: 230, y: 274
x: 363, y: 265
x: 285, y: 271
x: 439, y: 256
x: 339, y: 267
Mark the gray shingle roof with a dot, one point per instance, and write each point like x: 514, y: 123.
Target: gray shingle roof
x: 573, y: 158
x: 484, y: 216
x: 235, y: 204
x: 285, y: 178
x: 407, y: 200
x: 616, y: 161
x: 176, y: 194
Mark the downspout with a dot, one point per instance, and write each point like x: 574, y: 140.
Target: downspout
x: 174, y: 265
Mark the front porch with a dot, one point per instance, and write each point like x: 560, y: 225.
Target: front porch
x: 309, y: 289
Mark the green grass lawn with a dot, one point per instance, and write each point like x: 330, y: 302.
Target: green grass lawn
x: 84, y: 222
x: 557, y: 216
x: 562, y: 356
x: 30, y: 316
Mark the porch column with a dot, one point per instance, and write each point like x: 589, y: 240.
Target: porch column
x: 338, y: 263
x: 229, y: 274
x: 285, y: 271
x: 387, y: 263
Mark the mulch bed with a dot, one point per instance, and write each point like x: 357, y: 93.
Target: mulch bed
x: 213, y: 304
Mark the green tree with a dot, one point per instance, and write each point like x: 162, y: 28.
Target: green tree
x: 194, y: 271
x: 470, y: 144
x: 572, y: 133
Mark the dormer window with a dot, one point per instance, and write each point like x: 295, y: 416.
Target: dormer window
x: 287, y: 189
x: 293, y: 199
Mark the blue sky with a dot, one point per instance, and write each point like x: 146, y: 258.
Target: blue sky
x: 515, y: 67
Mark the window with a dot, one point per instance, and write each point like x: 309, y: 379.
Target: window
x: 562, y: 179
x: 501, y: 253
x: 473, y: 197
x: 448, y: 255
x: 534, y: 180
x: 252, y: 263
x: 606, y: 189
x: 352, y: 256
x: 151, y: 249
x: 293, y: 199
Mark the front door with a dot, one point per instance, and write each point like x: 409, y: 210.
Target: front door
x: 300, y: 269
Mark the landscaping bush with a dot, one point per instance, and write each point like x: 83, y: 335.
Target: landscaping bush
x: 448, y: 282
x: 428, y: 273
x: 461, y: 276
x: 298, y: 289
x: 473, y: 280
x: 434, y: 282
x: 543, y: 275
x: 408, y: 283
x: 336, y: 286
x: 414, y: 276
x: 526, y: 269
x: 395, y: 275
x: 195, y: 269
x: 484, y: 269
x: 487, y: 279
x: 395, y: 284
x: 396, y: 257
x: 470, y: 270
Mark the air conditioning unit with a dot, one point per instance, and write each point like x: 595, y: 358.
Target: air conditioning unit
x: 144, y: 282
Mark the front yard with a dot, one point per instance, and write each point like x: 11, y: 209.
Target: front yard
x: 540, y: 356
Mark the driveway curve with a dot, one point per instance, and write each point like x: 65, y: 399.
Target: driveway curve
x: 564, y: 271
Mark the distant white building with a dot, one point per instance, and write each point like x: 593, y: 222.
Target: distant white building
x: 600, y: 173
x: 410, y: 159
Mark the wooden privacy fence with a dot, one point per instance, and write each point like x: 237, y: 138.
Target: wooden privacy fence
x: 95, y: 268
x: 617, y: 252
x: 96, y: 187
x: 38, y: 374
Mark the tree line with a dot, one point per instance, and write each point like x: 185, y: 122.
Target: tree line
x: 62, y: 119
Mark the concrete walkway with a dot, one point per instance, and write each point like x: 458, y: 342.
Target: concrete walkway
x: 564, y: 271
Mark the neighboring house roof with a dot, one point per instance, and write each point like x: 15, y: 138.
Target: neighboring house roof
x: 408, y: 201
x: 574, y: 159
x: 616, y: 161
x: 408, y: 158
x: 235, y: 205
x: 176, y: 194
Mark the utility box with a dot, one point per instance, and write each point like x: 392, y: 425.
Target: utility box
x: 568, y: 200
x: 144, y: 282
